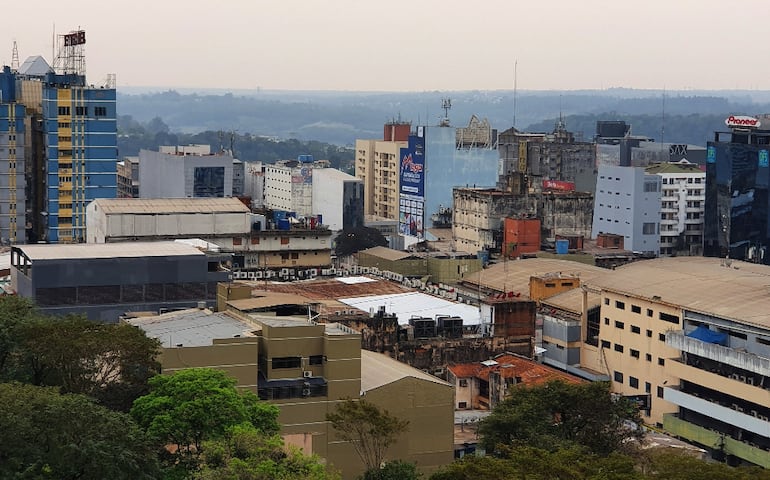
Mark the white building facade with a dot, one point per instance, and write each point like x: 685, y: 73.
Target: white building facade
x: 683, y: 195
x: 627, y: 203
x: 289, y: 187
x: 185, y: 172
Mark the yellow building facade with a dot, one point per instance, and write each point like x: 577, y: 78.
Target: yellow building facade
x: 377, y: 165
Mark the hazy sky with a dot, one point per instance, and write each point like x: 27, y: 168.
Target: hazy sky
x: 410, y: 45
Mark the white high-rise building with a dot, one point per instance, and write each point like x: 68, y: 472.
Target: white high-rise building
x: 683, y: 195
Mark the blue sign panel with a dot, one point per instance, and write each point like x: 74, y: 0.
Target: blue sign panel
x: 711, y: 155
x: 763, y: 158
x: 412, y: 173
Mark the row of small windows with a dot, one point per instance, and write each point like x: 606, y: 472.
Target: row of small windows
x: 677, y: 180
x: 633, y: 382
x: 296, y: 362
x: 82, y: 111
x: 666, y: 317
x: 635, y: 329
x: 633, y: 352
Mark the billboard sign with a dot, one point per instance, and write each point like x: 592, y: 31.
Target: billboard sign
x: 742, y: 121
x: 559, y: 185
x: 711, y: 154
x: 75, y: 38
x: 411, y: 216
x: 411, y: 205
x: 412, y: 171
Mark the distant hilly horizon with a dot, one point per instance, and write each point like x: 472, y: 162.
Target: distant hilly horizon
x: 341, y: 117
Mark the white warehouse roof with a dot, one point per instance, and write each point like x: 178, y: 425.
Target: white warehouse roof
x: 107, y: 250
x: 112, y: 206
x: 415, y: 304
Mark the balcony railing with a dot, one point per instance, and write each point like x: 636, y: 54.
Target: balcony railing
x: 729, y: 356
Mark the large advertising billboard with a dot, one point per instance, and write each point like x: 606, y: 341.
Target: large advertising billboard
x: 412, y: 170
x: 411, y: 205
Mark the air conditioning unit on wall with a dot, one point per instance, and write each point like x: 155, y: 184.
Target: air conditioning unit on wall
x: 307, y: 374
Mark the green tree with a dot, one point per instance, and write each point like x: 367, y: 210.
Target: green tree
x: 109, y: 362
x: 668, y: 465
x: 44, y: 434
x: 247, y: 454
x: 370, y: 430
x: 559, y: 414
x: 354, y: 240
x: 395, y: 470
x: 199, y: 404
x: 530, y: 463
x: 14, y: 312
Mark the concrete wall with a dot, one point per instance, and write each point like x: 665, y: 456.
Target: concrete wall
x: 103, y: 228
x: 339, y: 198
x: 623, y: 207
x: 143, y: 283
x: 451, y: 270
x: 238, y: 358
x: 172, y: 176
x: 411, y: 267
x: 650, y: 340
x: 429, y: 409
x: 479, y: 214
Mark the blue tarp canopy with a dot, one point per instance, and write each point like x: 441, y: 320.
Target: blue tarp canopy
x: 703, y: 334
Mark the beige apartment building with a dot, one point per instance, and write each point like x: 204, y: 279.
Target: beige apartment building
x: 692, y: 334
x: 306, y: 369
x: 378, y: 166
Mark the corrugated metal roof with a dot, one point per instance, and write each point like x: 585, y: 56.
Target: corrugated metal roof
x: 415, y: 304
x: 572, y: 300
x: 378, y: 369
x: 513, y: 276
x: 269, y: 299
x: 740, y: 291
x: 107, y: 250
x: 387, y: 253
x: 191, y: 328
x: 113, y: 206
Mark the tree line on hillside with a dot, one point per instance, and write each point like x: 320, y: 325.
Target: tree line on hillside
x: 692, y: 129
x: 134, y: 136
x: 341, y: 117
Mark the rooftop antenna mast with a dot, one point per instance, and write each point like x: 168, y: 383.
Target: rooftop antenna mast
x: 663, y: 118
x: 70, y: 58
x: 446, y: 104
x: 15, y: 58
x: 515, y: 75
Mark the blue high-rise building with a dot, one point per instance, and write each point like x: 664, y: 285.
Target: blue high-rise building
x: 12, y: 180
x: 737, y: 213
x: 81, y: 152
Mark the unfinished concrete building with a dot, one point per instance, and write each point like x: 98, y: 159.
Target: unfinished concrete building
x: 479, y: 214
x: 528, y: 159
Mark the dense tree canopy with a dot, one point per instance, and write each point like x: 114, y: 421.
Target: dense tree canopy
x: 109, y: 362
x: 44, y: 434
x: 134, y: 136
x: 199, y: 404
x: 354, y: 240
x: 559, y: 414
x: 530, y: 463
x: 576, y: 464
x: 247, y: 454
